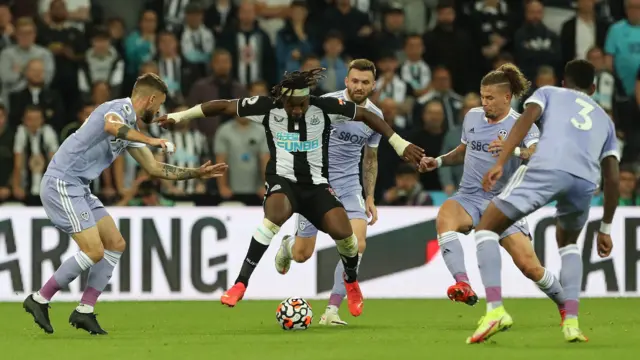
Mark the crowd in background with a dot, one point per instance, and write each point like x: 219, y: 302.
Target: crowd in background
x: 59, y: 59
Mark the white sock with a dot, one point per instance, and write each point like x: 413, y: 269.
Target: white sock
x: 39, y: 298
x: 84, y: 309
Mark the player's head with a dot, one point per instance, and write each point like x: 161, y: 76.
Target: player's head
x: 498, y: 87
x: 149, y: 93
x: 293, y: 91
x: 360, y: 80
x: 579, y: 75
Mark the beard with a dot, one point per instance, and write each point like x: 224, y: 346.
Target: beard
x: 357, y: 98
x: 147, y: 117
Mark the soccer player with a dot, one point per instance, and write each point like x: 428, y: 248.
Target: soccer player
x: 577, y: 147
x: 298, y: 128
x: 345, y: 148
x: 482, y: 134
x: 110, y: 129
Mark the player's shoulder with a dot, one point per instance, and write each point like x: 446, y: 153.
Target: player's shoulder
x: 373, y: 108
x: 474, y: 113
x: 121, y: 107
x: 326, y: 103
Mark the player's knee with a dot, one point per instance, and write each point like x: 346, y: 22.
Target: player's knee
x: 118, y: 245
x: 444, y: 224
x: 277, y: 218
x: 302, y: 253
x: 362, y: 245
x: 531, y: 269
x: 95, y: 251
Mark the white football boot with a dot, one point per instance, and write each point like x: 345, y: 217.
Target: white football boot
x: 331, y: 317
x: 283, y: 257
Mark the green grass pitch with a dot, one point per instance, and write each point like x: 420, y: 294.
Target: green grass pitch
x: 388, y: 329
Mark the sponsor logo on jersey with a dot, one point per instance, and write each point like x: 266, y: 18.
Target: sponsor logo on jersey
x: 352, y: 138
x: 290, y: 142
x: 477, y: 145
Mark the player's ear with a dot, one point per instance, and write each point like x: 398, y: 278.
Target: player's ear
x: 592, y: 89
x: 346, y: 80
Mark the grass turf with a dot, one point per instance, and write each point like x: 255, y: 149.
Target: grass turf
x: 388, y: 329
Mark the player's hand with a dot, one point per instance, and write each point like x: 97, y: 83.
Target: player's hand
x: 413, y: 154
x: 604, y: 245
x: 208, y: 171
x: 495, y: 147
x: 372, y: 211
x: 164, y: 121
x: 491, y: 177
x: 166, y: 145
x: 427, y: 164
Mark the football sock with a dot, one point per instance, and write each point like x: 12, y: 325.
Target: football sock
x: 490, y: 265
x: 259, y: 244
x: 339, y: 291
x: 550, y: 285
x: 66, y: 273
x: 453, y: 255
x: 571, y: 278
x: 99, y: 277
x: 348, y: 250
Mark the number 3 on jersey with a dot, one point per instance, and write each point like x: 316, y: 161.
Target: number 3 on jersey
x: 587, y: 123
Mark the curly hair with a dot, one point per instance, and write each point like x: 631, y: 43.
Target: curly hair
x: 296, y: 80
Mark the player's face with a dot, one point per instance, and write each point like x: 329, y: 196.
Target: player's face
x: 295, y: 106
x: 627, y: 183
x: 359, y: 85
x: 496, y: 100
x: 153, y: 106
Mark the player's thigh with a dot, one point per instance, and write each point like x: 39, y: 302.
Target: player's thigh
x: 518, y: 245
x: 111, y: 237
x: 305, y: 237
x: 280, y: 200
x: 572, y: 211
x: 68, y: 210
x: 323, y: 208
x: 457, y: 214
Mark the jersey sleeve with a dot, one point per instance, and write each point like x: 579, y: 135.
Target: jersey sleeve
x: 254, y: 108
x: 610, y: 42
x: 538, y: 97
x: 374, y: 139
x: 122, y: 110
x: 610, y: 147
x: 532, y: 137
x: 338, y: 110
x: 463, y: 136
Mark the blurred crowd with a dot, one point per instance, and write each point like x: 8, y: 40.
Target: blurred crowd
x: 59, y: 59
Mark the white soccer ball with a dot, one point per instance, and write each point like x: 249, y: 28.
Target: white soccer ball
x: 294, y: 314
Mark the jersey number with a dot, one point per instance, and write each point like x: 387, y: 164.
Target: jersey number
x: 587, y: 123
x: 250, y: 101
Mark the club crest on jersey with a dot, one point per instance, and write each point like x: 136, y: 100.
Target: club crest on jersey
x: 278, y: 118
x: 126, y: 109
x: 502, y: 134
x: 84, y: 215
x: 315, y: 120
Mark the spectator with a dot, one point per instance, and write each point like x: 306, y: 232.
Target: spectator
x: 79, y: 12
x: 391, y: 85
x: 295, y: 40
x: 621, y: 46
x: 250, y: 48
x: 352, y: 24
x: 220, y: 85
x: 546, y: 76
x: 14, y: 58
x: 407, y: 191
x: 140, y: 46
x: 144, y: 193
x: 116, y: 29
x: 535, y: 44
x: 582, y: 32
x: 451, y: 47
x: 6, y: 155
x: 196, y: 41
x: 387, y: 157
x: 414, y: 70
x: 220, y: 15
x: 430, y: 138
x: 628, y: 187
x: 173, y: 13
x: 6, y: 28
x: 259, y: 88
x: 272, y: 15
x: 178, y: 74
x: 441, y: 90
x: 83, y: 114
x: 102, y: 63
x: 309, y: 63
x: 241, y: 144
x: 492, y: 27
x: 337, y: 68
x: 37, y: 93
x: 100, y: 93
x: 393, y: 33
x: 605, y: 81
x: 191, y: 151
x: 450, y: 176
x: 34, y: 146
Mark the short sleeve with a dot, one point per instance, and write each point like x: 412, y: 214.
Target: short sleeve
x: 463, y: 136
x: 254, y: 108
x: 338, y: 110
x: 134, y: 144
x: 610, y: 41
x: 538, y: 97
x: 20, y: 140
x: 374, y: 140
x: 532, y: 137
x: 122, y: 110
x: 220, y: 145
x: 610, y: 147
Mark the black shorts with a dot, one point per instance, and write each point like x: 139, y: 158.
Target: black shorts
x: 308, y: 200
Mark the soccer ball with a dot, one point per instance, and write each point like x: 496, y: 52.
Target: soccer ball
x: 294, y: 314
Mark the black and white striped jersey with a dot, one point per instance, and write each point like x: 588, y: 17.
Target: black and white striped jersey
x: 298, y: 149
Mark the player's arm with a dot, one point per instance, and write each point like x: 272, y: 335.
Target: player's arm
x: 252, y: 108
x: 453, y: 157
x: 525, y: 153
x: 519, y: 131
x: 147, y: 161
x: 116, y: 126
x: 370, y: 169
x: 611, y: 190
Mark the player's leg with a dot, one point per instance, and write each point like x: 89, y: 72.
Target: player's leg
x: 329, y: 215
x: 68, y: 210
x: 298, y: 248
x: 517, y: 241
x: 457, y: 214
x: 279, y: 205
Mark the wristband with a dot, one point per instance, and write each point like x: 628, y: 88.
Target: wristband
x: 171, y: 148
x: 192, y: 113
x: 399, y: 144
x: 438, y: 161
x: 516, y: 152
x: 605, y: 228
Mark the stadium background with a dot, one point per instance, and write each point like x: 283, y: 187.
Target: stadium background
x: 60, y: 58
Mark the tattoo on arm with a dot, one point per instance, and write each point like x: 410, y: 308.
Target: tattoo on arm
x: 171, y: 172
x: 122, y: 132
x: 370, y: 170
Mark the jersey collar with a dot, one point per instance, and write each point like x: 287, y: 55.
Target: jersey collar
x: 511, y: 112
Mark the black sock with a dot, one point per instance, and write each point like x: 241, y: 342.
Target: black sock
x: 350, y: 268
x: 256, y: 250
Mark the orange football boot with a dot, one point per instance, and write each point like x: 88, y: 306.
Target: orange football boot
x: 354, y: 297
x: 462, y: 292
x: 233, y: 295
